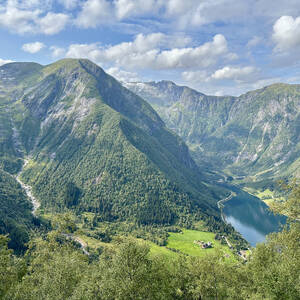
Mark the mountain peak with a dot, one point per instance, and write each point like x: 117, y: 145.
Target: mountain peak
x: 277, y: 88
x: 69, y: 64
x: 105, y: 148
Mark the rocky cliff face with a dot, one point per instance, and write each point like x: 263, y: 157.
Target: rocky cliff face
x: 254, y: 136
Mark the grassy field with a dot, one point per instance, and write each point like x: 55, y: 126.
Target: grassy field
x: 266, y: 196
x: 184, y: 242
x: 158, y: 250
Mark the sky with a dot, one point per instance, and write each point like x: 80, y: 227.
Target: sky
x: 219, y: 47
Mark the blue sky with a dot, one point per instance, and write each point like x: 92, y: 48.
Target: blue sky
x: 216, y: 46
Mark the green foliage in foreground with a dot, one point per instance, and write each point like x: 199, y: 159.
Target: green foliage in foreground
x: 57, y: 269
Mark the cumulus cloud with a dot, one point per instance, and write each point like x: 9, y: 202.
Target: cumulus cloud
x: 145, y: 51
x: 196, y: 76
x: 52, y: 23
x: 33, y: 47
x: 286, y: 33
x: 5, y: 61
x: 123, y: 76
x: 90, y: 51
x: 178, y: 13
x: 29, y: 17
x: 20, y: 21
x: 129, y: 8
x: 241, y: 74
x: 197, y: 13
x: 57, y: 51
x: 94, y: 12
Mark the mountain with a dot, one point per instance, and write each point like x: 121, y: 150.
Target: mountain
x: 254, y: 138
x: 93, y: 145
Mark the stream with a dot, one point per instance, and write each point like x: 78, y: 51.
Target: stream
x: 28, y: 190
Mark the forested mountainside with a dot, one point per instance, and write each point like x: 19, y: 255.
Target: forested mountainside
x: 15, y: 212
x: 93, y: 145
x: 254, y: 137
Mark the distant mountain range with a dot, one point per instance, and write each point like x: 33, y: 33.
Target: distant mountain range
x: 254, y: 138
x: 93, y: 145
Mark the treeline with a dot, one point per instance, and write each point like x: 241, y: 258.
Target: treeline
x: 158, y: 234
x: 54, y: 268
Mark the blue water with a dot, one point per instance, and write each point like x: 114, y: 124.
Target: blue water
x: 251, y: 217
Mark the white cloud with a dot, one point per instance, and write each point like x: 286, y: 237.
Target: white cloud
x: 20, y: 21
x: 175, y: 13
x: 145, y: 51
x: 90, y: 51
x: 196, y: 76
x: 33, y: 47
x: 29, y: 17
x: 122, y: 75
x: 57, y: 51
x: 179, y: 13
x: 129, y: 8
x: 240, y: 74
x: 69, y: 4
x: 197, y: 13
x: 286, y: 33
x: 202, y: 56
x: 52, y: 23
x: 5, y: 61
x: 94, y: 12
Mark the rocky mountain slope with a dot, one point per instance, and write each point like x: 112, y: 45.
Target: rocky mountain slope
x: 255, y: 138
x: 93, y: 145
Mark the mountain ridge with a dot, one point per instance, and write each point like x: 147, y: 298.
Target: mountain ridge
x: 95, y: 146
x: 225, y: 132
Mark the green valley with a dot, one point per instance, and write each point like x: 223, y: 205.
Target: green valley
x: 252, y: 140
x: 149, y: 150
x: 125, y: 211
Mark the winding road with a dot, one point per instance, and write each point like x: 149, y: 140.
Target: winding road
x: 221, y: 205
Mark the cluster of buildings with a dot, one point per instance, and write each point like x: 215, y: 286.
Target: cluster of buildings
x: 203, y: 245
